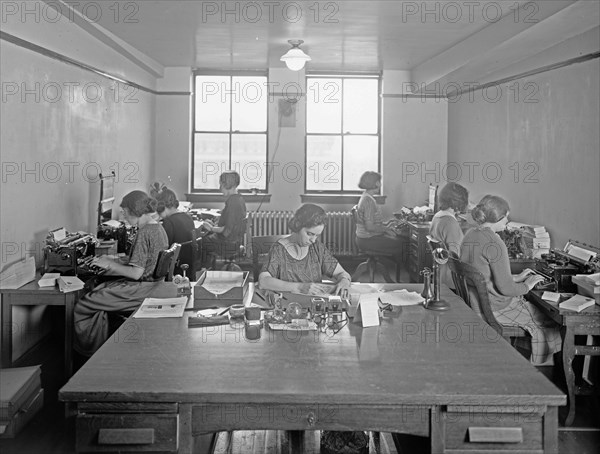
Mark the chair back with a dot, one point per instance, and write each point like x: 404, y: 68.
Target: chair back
x: 261, y: 245
x: 165, y: 265
x: 472, y: 288
x: 190, y: 254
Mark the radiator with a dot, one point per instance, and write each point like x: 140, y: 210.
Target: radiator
x: 338, y: 234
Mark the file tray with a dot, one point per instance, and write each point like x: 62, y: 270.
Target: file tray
x: 220, y: 288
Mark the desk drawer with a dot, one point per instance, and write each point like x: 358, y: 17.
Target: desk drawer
x: 127, y: 432
x: 480, y: 431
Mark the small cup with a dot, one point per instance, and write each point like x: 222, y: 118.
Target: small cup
x: 252, y: 330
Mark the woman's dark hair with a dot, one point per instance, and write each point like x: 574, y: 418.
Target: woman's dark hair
x: 229, y: 179
x: 307, y: 216
x: 454, y: 196
x: 166, y: 198
x: 139, y: 203
x: 369, y: 180
x: 490, y: 209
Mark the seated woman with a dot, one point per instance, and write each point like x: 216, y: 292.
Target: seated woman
x: 452, y: 199
x: 298, y: 263
x: 177, y: 224
x: 228, y: 234
x: 136, y: 284
x: 485, y: 250
x: 371, y: 233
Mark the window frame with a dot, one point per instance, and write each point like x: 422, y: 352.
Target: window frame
x: 329, y: 75
x: 230, y: 133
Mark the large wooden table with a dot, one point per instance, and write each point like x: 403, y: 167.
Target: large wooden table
x: 447, y: 376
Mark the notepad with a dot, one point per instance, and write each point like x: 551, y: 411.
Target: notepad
x: 577, y: 303
x: 68, y: 284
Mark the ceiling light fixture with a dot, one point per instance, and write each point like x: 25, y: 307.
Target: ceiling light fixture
x: 295, y: 58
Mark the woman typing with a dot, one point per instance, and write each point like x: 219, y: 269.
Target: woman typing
x: 485, y: 250
x: 298, y: 263
x: 136, y: 282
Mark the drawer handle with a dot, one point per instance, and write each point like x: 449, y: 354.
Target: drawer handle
x: 126, y: 436
x: 495, y: 434
x: 311, y: 419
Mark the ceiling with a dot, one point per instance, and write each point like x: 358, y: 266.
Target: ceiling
x: 432, y: 39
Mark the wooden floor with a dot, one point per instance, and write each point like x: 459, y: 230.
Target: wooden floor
x: 50, y: 433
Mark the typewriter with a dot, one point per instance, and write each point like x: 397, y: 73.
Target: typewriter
x: 557, y: 267
x: 123, y: 234
x: 68, y: 253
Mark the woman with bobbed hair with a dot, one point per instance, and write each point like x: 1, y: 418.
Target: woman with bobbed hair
x: 452, y: 200
x: 485, y: 250
x: 372, y: 233
x: 298, y: 262
x: 178, y: 225
x: 228, y: 234
x: 136, y: 272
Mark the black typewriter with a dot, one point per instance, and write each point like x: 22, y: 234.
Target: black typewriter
x: 68, y: 253
x: 558, y: 267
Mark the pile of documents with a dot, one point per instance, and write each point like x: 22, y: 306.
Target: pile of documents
x: 535, y: 237
x: 68, y: 284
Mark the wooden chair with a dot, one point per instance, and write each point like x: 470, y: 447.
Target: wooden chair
x: 190, y: 255
x: 372, y: 263
x: 471, y: 287
x: 165, y: 265
x: 261, y: 245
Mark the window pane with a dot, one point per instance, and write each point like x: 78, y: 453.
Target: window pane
x: 324, y: 106
x: 323, y: 158
x: 360, y: 106
x: 211, y: 157
x: 212, y: 103
x: 248, y: 153
x: 249, y: 104
x: 360, y: 155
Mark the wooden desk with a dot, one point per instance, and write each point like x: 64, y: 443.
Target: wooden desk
x: 438, y: 375
x: 32, y: 294
x: 586, y: 322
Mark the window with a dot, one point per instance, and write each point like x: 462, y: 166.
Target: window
x: 342, y: 131
x: 230, y: 130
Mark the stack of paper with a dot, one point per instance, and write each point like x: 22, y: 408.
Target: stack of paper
x: 68, y: 284
x: 401, y: 298
x: 536, y: 237
x: 48, y: 280
x: 577, y: 303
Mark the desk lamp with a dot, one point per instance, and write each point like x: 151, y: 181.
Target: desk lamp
x: 440, y: 257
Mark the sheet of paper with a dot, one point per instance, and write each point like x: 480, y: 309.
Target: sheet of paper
x: 161, y: 307
x: 367, y: 312
x: 18, y: 274
x: 580, y: 253
x: 219, y: 282
x: 401, y: 298
x: 112, y: 223
x: 59, y: 234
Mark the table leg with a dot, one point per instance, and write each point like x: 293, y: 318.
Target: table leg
x: 551, y: 430
x: 69, y: 308
x: 6, y: 326
x: 568, y: 354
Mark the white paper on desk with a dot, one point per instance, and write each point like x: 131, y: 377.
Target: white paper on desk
x: 551, y: 296
x: 219, y: 282
x: 161, y: 308
x: 112, y: 223
x: 18, y: 274
x: 401, y: 298
x: 593, y: 279
x: 368, y: 350
x: 367, y: 312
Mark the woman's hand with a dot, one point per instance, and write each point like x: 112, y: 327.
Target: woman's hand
x: 102, y: 262
x: 522, y: 275
x: 533, y: 280
x: 312, y: 288
x: 342, y: 287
